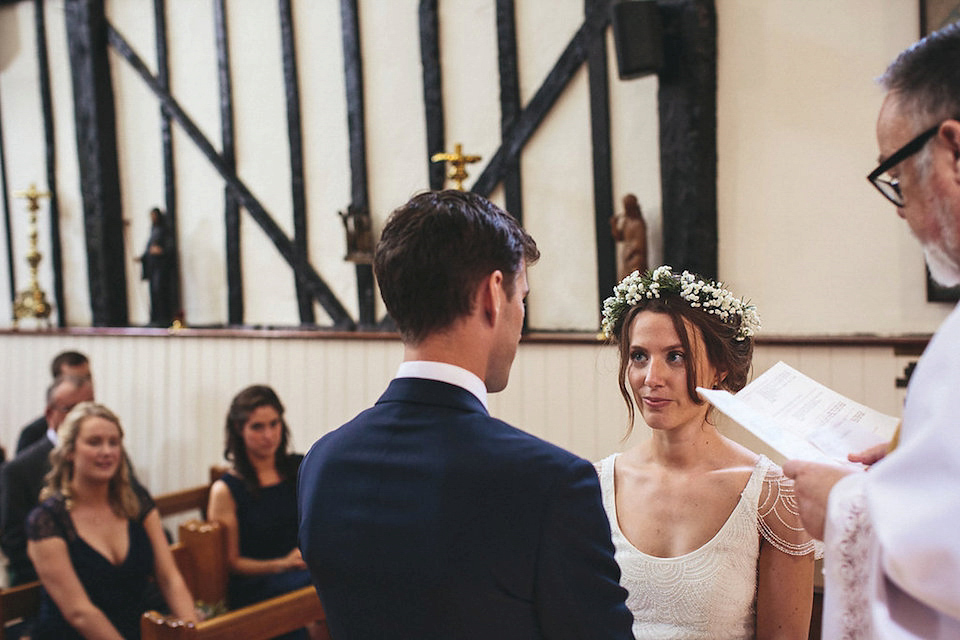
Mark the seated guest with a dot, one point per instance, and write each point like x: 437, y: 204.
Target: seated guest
x: 23, y: 477
x: 65, y: 363
x: 96, y: 540
x: 706, y: 532
x: 256, y: 501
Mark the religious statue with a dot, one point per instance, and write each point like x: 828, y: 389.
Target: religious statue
x: 630, y: 231
x: 357, y: 224
x: 158, y: 263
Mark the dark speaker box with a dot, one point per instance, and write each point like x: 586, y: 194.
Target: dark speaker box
x: 638, y: 37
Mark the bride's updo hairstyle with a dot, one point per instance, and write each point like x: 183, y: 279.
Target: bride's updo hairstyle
x: 725, y: 323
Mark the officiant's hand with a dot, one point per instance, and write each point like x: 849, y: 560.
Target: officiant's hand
x: 871, y: 455
x: 813, y: 482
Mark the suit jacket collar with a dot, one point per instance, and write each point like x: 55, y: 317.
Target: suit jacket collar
x: 431, y: 392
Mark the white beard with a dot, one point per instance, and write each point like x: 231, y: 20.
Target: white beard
x: 943, y: 269
x: 943, y: 253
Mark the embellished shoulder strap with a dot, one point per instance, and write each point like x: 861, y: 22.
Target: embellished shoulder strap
x: 778, y: 516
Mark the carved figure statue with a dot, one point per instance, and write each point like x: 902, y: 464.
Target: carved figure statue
x: 630, y: 231
x: 158, y: 263
x: 357, y: 224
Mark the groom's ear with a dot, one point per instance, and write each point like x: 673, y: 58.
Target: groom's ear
x: 490, y: 295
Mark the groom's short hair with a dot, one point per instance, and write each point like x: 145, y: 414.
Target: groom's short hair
x: 434, y: 251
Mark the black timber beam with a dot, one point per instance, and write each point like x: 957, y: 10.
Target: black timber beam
x: 166, y: 144
x: 597, y: 68
x: 294, y: 133
x: 7, y: 221
x: 284, y: 245
x: 231, y: 208
x: 574, y: 55
x: 360, y: 201
x: 97, y: 158
x: 688, y: 135
x: 509, y: 101
x: 432, y: 90
x: 56, y: 250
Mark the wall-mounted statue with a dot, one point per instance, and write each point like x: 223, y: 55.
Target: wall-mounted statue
x: 630, y: 231
x: 359, y: 230
x: 158, y: 263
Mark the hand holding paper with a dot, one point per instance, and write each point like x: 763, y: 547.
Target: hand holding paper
x: 802, y: 419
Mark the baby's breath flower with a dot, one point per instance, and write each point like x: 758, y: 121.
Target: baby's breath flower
x: 707, y: 295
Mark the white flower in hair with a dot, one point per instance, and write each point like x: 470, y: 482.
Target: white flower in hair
x: 707, y: 295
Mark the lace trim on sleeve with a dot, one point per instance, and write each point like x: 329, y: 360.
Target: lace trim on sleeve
x: 778, y: 517
x: 50, y: 519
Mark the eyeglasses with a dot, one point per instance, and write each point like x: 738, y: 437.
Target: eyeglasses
x: 890, y: 187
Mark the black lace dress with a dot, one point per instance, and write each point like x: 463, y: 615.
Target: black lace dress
x: 123, y: 592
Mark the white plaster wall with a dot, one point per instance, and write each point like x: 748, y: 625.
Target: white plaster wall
x: 801, y: 232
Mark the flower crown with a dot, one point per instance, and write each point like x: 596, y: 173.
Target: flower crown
x: 707, y: 295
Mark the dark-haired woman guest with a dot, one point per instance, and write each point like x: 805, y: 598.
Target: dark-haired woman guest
x: 256, y: 501
x: 96, y: 540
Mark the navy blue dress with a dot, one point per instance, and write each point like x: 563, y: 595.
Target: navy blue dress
x: 123, y: 592
x: 267, y: 529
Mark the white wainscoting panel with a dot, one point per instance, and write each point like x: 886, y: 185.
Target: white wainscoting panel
x: 172, y: 391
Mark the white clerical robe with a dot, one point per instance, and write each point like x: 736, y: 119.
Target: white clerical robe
x: 892, y: 538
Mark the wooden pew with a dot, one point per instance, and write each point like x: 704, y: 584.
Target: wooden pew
x: 185, y: 500
x: 17, y: 604
x: 175, y: 502
x: 254, y: 622
x: 205, y: 551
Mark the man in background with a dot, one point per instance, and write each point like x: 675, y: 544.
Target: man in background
x: 21, y: 479
x: 892, y: 552
x: 66, y: 363
x: 424, y: 517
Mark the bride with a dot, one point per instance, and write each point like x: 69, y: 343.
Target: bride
x: 706, y: 531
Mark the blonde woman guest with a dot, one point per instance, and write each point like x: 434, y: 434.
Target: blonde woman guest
x: 95, y: 540
x: 706, y: 531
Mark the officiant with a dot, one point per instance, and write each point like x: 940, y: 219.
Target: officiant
x: 892, y: 563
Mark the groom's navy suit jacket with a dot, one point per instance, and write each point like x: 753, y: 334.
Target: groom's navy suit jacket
x: 424, y: 517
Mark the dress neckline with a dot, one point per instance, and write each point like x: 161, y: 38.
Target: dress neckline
x: 99, y: 553
x: 610, y: 503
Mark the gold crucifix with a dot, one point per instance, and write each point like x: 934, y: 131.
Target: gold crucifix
x: 458, y: 163
x: 33, y: 301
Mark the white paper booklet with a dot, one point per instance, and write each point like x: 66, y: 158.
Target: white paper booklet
x: 800, y: 418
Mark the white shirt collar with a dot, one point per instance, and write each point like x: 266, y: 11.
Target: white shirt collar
x: 445, y: 372
x: 52, y: 436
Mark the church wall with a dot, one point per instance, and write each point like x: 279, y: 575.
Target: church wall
x: 796, y: 110
x: 801, y: 232
x: 172, y: 392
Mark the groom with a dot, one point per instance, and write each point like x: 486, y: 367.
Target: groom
x: 424, y: 517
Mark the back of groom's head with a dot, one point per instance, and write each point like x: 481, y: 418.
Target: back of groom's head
x: 435, y: 250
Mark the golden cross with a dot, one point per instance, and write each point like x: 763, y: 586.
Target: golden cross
x: 458, y: 163
x: 32, y: 196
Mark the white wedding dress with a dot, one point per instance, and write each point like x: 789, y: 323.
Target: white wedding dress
x: 709, y: 593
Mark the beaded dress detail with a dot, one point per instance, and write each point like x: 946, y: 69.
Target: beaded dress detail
x: 709, y: 593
